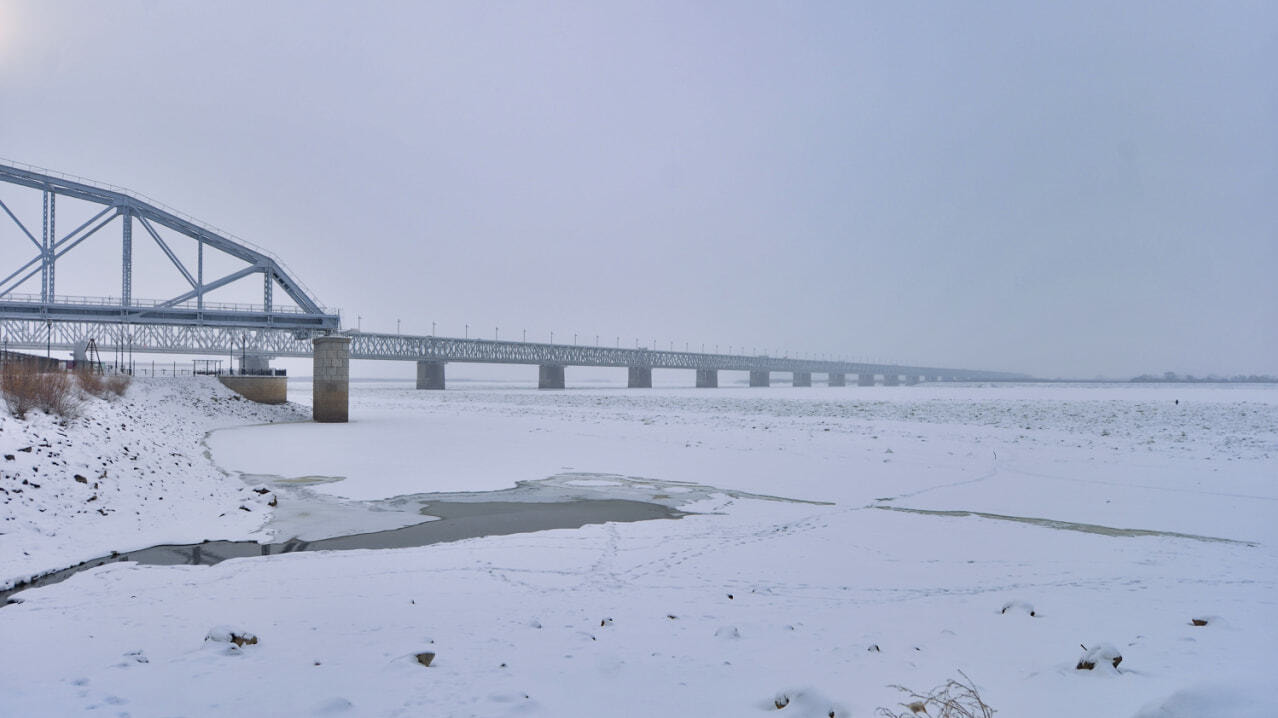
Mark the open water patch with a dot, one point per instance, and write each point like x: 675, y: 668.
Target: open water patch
x: 448, y: 521
x: 315, y: 521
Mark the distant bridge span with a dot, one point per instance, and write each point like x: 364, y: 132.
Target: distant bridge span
x: 188, y: 324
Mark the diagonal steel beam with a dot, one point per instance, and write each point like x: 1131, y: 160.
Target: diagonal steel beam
x: 73, y: 232
x: 168, y: 252
x: 86, y: 235
x: 21, y: 226
x: 23, y: 268
x: 206, y: 288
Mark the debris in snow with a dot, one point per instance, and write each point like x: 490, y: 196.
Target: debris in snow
x: 1019, y: 606
x: 425, y: 657
x: 727, y: 632
x: 952, y: 699
x: 605, y: 622
x: 804, y: 702
x: 226, y: 634
x: 1099, y: 654
x: 81, y: 479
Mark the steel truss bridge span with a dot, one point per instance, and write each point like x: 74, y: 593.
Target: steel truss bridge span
x: 182, y: 339
x: 185, y: 309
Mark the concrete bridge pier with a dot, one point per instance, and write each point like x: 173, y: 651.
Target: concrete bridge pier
x: 707, y: 378
x: 550, y: 376
x: 891, y: 380
x: 865, y: 380
x: 760, y: 378
x: 430, y: 375
x: 834, y: 379
x: 332, y: 382
x: 640, y: 378
x: 801, y: 378
x: 911, y: 380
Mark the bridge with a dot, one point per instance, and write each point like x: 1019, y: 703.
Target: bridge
x: 297, y: 325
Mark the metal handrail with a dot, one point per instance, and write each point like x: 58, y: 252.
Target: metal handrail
x: 171, y: 210
x: 143, y: 303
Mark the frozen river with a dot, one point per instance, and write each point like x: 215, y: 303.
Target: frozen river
x: 1116, y: 514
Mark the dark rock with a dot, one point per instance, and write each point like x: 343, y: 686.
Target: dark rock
x: 425, y: 657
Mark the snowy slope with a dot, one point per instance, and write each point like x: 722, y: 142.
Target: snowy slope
x: 144, y: 478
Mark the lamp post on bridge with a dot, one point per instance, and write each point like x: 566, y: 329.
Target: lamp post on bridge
x: 432, y: 329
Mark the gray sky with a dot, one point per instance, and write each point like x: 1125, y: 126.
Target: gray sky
x: 1078, y: 190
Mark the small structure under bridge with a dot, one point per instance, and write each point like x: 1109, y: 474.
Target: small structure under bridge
x: 290, y: 321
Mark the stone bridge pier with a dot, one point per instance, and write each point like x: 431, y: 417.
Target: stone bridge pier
x: 834, y: 379
x: 550, y: 376
x: 430, y: 375
x: 707, y: 378
x: 865, y: 380
x: 760, y: 378
x: 801, y: 378
x: 891, y: 380
x: 640, y: 378
x: 332, y: 379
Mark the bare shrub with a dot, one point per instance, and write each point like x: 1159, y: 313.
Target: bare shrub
x: 952, y: 699
x: 17, y: 385
x: 55, y: 394
x: 118, y: 383
x: 91, y: 382
x: 25, y: 387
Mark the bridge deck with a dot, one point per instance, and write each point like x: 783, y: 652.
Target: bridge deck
x: 213, y: 340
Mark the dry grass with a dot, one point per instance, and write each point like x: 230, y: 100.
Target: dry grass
x: 91, y: 382
x: 118, y: 383
x: 952, y: 699
x: 25, y: 387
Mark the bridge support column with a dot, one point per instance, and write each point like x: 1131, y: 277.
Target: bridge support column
x: 801, y: 378
x: 430, y: 375
x: 550, y: 376
x: 331, y: 385
x: 865, y: 380
x: 760, y: 378
x: 837, y: 379
x: 891, y: 380
x: 707, y: 378
x: 911, y: 380
x: 640, y: 377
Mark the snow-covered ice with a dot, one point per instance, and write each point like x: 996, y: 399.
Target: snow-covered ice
x: 1092, y: 514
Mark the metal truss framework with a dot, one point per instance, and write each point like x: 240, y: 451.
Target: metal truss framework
x: 186, y: 339
x: 186, y: 309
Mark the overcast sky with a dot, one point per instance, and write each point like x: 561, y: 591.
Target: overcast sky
x: 1079, y: 190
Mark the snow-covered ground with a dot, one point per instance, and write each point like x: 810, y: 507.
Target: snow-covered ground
x: 844, y: 540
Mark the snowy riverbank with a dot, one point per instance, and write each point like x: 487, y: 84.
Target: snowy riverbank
x: 1116, y: 514
x: 126, y: 473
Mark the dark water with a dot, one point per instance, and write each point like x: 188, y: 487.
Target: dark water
x: 457, y: 520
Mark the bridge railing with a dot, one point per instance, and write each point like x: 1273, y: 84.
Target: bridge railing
x: 143, y: 303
